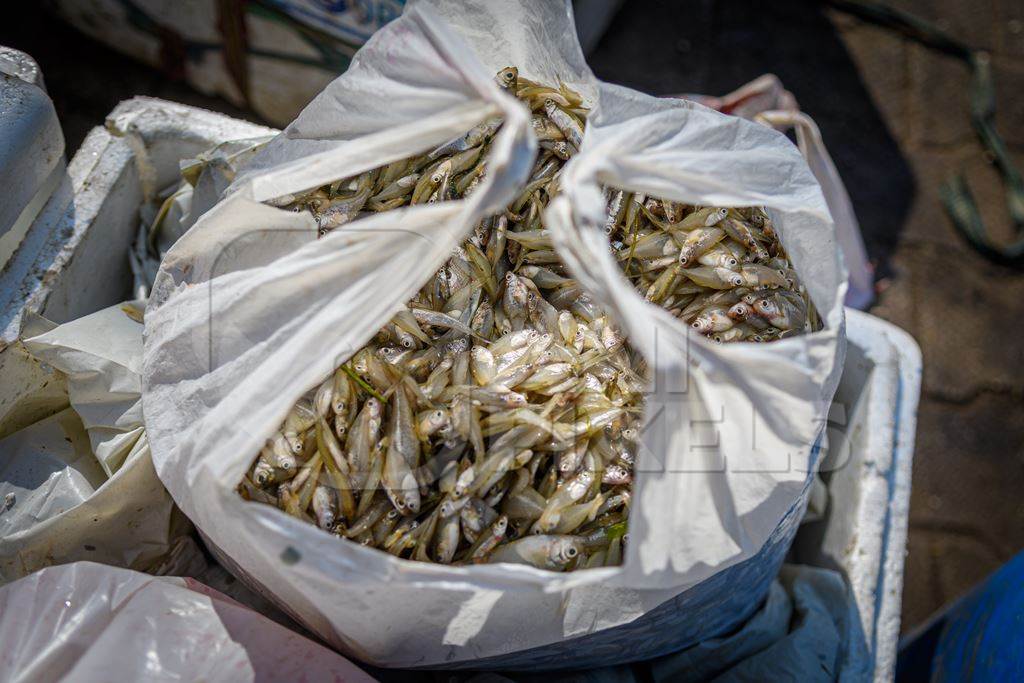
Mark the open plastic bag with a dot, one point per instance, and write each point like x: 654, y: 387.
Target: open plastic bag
x: 250, y: 310
x: 81, y: 484
x: 88, y: 622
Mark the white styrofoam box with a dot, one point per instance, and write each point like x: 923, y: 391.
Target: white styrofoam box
x: 31, y: 147
x: 17, y: 63
x: 864, y: 531
x: 78, y: 264
x: 73, y: 259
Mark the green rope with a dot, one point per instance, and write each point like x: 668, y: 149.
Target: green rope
x: 955, y: 193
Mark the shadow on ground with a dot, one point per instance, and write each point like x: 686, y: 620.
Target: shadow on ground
x: 714, y: 46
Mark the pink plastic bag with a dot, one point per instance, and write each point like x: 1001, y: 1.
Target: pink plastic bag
x: 91, y: 622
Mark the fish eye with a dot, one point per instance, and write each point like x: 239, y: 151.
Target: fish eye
x: 548, y: 101
x: 438, y: 414
x: 436, y: 177
x: 571, y: 552
x: 732, y: 262
x: 765, y: 302
x: 407, y: 343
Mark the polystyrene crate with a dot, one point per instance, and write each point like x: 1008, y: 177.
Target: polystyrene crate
x: 73, y: 260
x: 864, y: 530
x: 31, y: 147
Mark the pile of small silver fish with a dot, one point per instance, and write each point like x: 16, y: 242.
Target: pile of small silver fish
x: 723, y: 271
x: 496, y: 418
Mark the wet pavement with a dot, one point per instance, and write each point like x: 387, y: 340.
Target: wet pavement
x: 894, y: 116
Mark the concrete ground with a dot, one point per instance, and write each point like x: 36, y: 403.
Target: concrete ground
x: 894, y: 116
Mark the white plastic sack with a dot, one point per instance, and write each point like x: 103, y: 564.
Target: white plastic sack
x: 87, y: 622
x: 81, y: 484
x: 250, y: 310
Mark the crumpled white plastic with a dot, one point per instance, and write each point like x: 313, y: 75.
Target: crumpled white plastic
x: 81, y: 484
x: 250, y: 310
x: 88, y: 622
